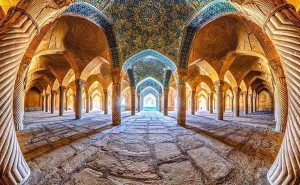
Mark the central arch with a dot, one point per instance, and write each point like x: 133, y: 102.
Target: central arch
x: 149, y: 82
x: 150, y: 99
x: 149, y: 53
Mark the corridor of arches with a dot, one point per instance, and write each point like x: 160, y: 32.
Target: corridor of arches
x: 149, y: 92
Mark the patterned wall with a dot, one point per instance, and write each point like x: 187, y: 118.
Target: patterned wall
x: 145, y: 24
x: 149, y: 67
x: 149, y: 82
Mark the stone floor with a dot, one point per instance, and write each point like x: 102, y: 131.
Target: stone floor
x: 148, y: 149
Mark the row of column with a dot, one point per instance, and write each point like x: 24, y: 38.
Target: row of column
x: 220, y: 92
x: 165, y: 103
x: 63, y: 106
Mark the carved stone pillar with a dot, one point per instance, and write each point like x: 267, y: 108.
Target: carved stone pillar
x: 43, y: 102
x: 281, y: 24
x: 78, y: 98
x: 251, y: 103
x: 197, y: 104
x: 47, y: 102
x: 193, y: 101
x: 207, y: 103
x: 245, y: 96
x: 220, y: 98
x: 232, y: 104
x: 87, y: 102
x: 92, y: 104
x: 160, y: 102
x: 166, y: 101
x: 116, y: 97
x: 66, y: 107
x: 132, y: 90
x: 53, y: 96
x: 18, y: 103
x: 224, y: 103
x: 255, y: 103
x: 17, y: 30
x: 62, y: 95
x: 281, y: 95
x: 181, y: 101
x: 211, y: 102
x: 237, y: 92
x: 139, y: 102
x: 105, y: 102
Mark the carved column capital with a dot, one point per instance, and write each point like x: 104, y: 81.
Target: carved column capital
x: 245, y: 93
x: 80, y: 82
x: 116, y: 75
x: 132, y: 89
x: 62, y: 88
x: 219, y: 85
x: 53, y: 92
x: 39, y: 11
x: 237, y: 89
x: 276, y: 67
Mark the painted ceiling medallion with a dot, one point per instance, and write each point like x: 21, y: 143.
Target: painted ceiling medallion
x: 150, y: 15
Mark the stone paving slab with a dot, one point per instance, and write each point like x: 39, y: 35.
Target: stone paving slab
x: 147, y: 149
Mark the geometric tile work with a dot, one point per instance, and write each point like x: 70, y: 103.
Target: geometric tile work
x: 149, y: 68
x: 142, y: 25
x: 149, y: 82
x: 92, y: 14
x: 210, y: 12
x: 149, y: 53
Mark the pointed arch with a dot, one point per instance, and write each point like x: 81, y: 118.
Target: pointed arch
x: 212, y: 73
x: 149, y: 53
x: 149, y: 81
x: 231, y: 79
x: 68, y: 78
x: 91, y: 13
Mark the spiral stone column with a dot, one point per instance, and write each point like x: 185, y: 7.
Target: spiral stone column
x: 62, y: 92
x: 78, y: 98
x: 116, y: 97
x: 47, y: 102
x: 139, y: 102
x: 181, y: 101
x: 166, y: 101
x: 87, y: 104
x: 53, y: 96
x: 18, y: 103
x: 251, y: 103
x: 281, y: 94
x: 105, y: 102
x: 282, y: 24
x: 193, y: 101
x: 17, y: 30
x: 245, y: 96
x: 237, y: 92
x: 219, y: 87
x: 132, y: 90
